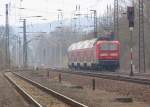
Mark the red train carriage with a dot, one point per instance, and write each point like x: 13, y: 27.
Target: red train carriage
x: 95, y: 54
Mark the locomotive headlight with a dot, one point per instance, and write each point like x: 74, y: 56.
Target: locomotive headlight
x: 103, y: 54
x: 113, y: 54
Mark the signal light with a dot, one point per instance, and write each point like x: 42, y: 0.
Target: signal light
x: 130, y: 15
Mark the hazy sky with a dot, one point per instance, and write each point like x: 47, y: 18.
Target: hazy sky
x: 48, y: 8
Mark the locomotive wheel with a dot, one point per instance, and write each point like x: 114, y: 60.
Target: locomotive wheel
x: 92, y: 66
x: 85, y: 66
x: 70, y: 66
x: 99, y: 68
x: 78, y: 66
x: 112, y: 68
x: 95, y: 67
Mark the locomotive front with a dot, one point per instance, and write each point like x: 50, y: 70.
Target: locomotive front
x: 108, y: 55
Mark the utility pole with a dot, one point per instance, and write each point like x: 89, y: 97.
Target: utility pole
x: 24, y: 45
x: 7, y: 57
x: 108, y: 26
x: 107, y: 21
x: 60, y: 20
x: 78, y: 23
x: 19, y: 51
x: 95, y: 22
x: 142, y: 65
x: 116, y: 19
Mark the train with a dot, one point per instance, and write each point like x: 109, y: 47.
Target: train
x: 97, y: 54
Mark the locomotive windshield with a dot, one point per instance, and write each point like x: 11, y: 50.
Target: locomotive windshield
x: 108, y: 46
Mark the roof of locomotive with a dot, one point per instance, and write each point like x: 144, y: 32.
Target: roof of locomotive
x: 87, y: 44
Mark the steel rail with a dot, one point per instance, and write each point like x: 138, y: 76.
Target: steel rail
x: 104, y: 76
x: 23, y: 93
x: 59, y: 96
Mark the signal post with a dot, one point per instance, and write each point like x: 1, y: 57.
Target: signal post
x: 130, y: 15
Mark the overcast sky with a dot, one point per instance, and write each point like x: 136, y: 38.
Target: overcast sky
x: 48, y: 8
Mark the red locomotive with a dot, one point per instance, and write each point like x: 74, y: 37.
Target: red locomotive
x: 95, y: 54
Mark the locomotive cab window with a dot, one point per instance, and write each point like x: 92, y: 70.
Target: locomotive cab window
x: 108, y: 46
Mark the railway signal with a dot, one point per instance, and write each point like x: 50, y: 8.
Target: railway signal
x: 130, y: 16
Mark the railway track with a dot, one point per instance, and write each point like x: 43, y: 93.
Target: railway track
x: 105, y: 76
x: 38, y: 95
